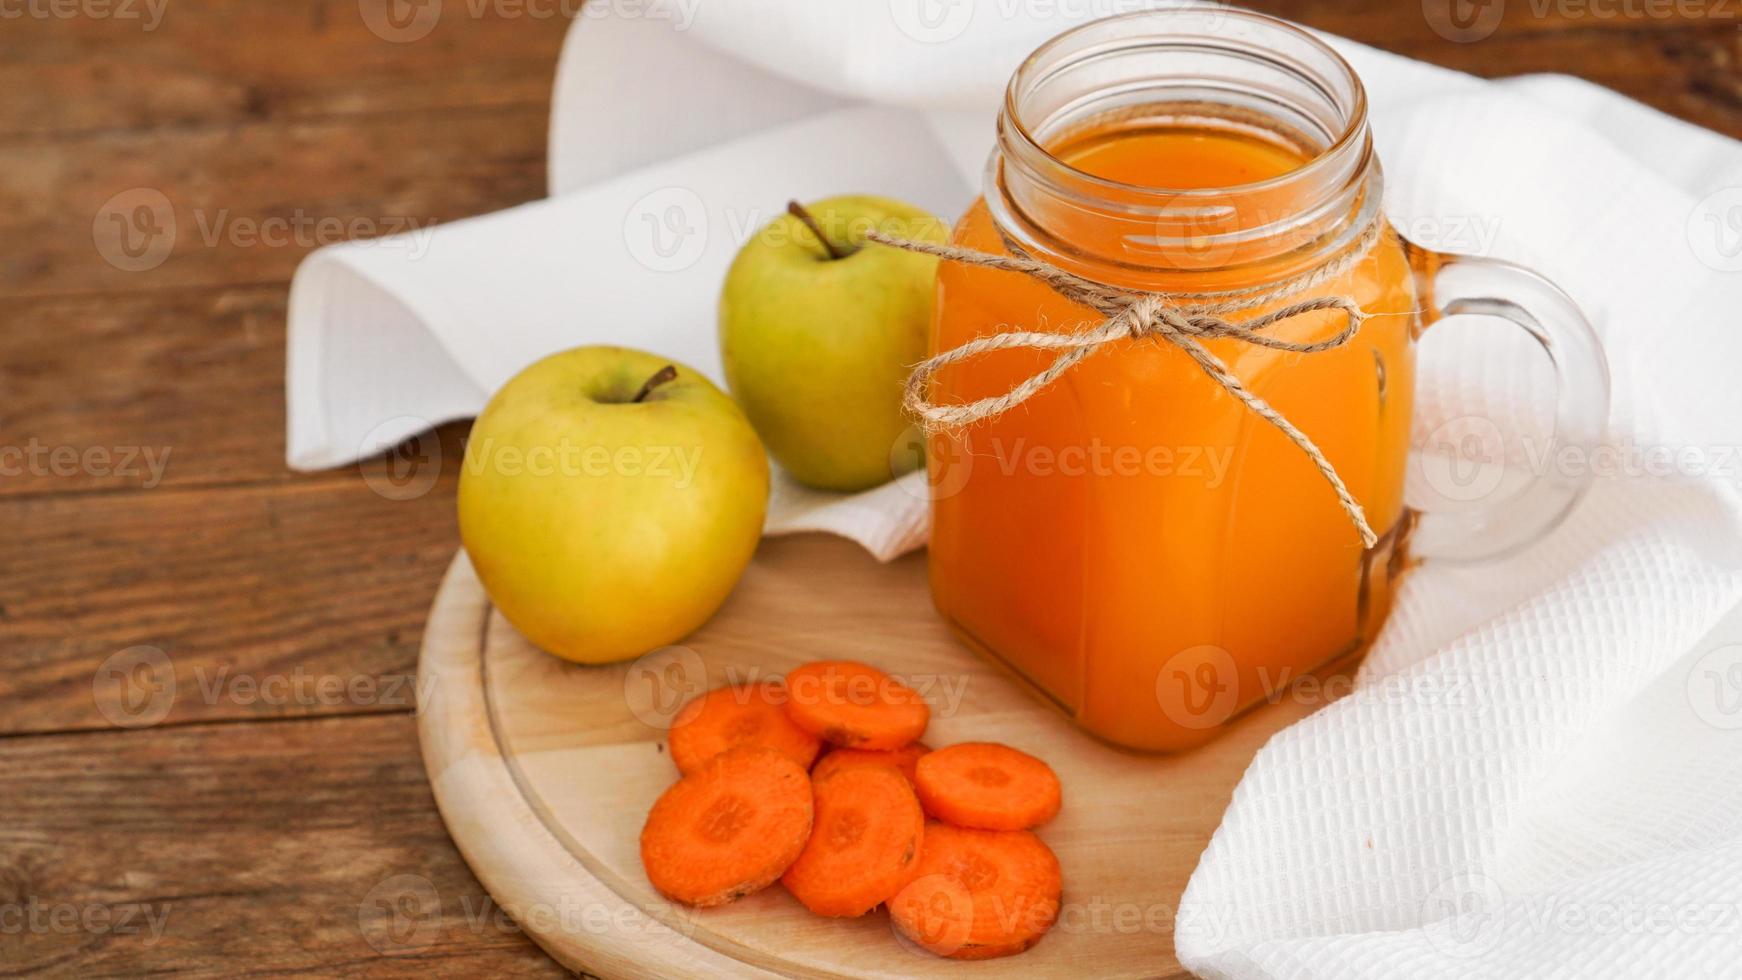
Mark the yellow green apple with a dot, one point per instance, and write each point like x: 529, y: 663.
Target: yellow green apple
x: 609, y: 501
x: 818, y: 330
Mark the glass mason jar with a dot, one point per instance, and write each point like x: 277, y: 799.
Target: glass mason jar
x: 1135, y: 542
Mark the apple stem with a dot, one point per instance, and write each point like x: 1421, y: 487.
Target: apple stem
x: 803, y: 214
x: 661, y: 376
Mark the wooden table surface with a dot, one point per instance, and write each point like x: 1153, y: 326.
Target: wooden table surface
x: 208, y: 760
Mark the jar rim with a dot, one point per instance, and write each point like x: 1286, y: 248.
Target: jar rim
x: 1354, y: 123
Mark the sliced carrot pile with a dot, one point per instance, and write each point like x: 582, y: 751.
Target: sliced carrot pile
x: 902, y: 760
x: 852, y: 705
x: 864, y: 842
x: 986, y: 785
x: 972, y: 882
x: 738, y: 715
x: 979, y: 893
x: 728, y: 829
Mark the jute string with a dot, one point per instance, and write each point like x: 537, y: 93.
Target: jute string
x: 1183, y: 320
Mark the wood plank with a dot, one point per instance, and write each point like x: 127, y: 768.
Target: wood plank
x: 243, y: 204
x: 1685, y: 66
x: 171, y: 388
x: 309, y: 846
x: 171, y: 606
x: 1686, y: 72
x: 138, y: 64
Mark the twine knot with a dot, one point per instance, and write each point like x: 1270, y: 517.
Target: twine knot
x: 1183, y: 321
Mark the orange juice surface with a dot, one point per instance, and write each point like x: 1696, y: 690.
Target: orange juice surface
x: 1146, y: 551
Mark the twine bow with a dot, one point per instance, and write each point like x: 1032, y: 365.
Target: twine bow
x: 1137, y: 315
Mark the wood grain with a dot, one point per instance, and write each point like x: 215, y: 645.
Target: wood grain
x: 1685, y: 66
x: 175, y: 388
x: 264, y: 602
x: 242, y: 204
x: 292, y: 847
x: 187, y: 383
x: 203, y: 62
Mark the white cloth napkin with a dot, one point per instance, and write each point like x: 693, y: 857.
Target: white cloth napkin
x: 1539, y: 770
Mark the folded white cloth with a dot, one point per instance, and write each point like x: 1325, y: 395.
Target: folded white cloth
x: 1539, y: 770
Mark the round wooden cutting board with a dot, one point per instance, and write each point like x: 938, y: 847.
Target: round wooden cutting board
x: 544, y: 771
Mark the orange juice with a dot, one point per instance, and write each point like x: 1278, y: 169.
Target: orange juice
x: 1134, y: 532
x: 1134, y: 541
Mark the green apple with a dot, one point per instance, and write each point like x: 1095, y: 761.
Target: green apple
x: 609, y: 501
x: 818, y: 330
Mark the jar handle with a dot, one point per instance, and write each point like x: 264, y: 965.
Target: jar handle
x: 1455, y: 284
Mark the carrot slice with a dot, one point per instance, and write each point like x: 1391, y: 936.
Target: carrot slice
x: 979, y: 893
x: 986, y: 785
x: 853, y: 705
x: 728, y: 829
x: 736, y: 715
x: 864, y: 843
x: 902, y: 760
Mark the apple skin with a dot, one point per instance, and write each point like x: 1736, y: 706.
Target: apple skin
x: 604, y: 528
x: 817, y: 349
